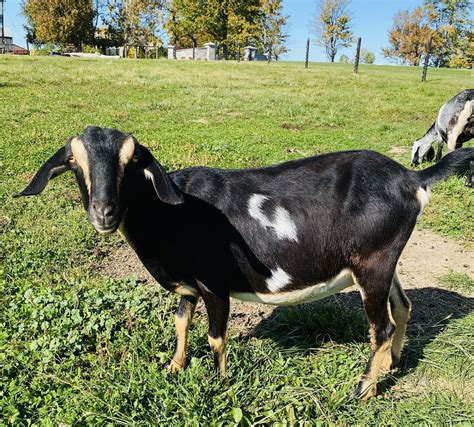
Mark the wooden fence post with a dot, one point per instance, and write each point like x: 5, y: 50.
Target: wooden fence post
x: 307, y: 54
x: 357, y: 58
x: 427, y: 58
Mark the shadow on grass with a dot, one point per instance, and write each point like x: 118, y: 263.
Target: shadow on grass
x: 341, y: 319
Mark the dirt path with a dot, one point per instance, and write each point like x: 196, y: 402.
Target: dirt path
x: 426, y: 257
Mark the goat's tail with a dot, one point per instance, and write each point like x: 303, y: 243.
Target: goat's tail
x: 457, y: 162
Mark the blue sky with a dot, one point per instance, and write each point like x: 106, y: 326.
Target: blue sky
x: 371, y: 20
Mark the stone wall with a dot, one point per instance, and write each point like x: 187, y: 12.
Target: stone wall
x: 206, y: 53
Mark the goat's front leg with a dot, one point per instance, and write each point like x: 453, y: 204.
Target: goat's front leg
x: 182, y: 321
x: 470, y: 172
x: 217, y: 307
x: 439, y: 152
x: 375, y: 289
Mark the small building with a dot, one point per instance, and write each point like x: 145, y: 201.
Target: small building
x: 9, y: 46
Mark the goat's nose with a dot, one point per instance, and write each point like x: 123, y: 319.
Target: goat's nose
x: 104, y: 209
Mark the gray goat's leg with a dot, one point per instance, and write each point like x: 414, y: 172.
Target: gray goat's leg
x: 422, y: 146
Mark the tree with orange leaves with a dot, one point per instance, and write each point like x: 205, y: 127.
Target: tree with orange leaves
x: 409, y: 35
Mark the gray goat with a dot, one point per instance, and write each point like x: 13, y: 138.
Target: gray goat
x: 454, y: 125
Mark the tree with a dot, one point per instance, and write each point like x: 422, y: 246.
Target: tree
x: 332, y: 26
x: 344, y: 59
x: 232, y: 22
x: 409, y: 35
x: 226, y: 22
x: 187, y: 22
x: 271, y: 37
x: 229, y: 23
x: 61, y: 22
x: 366, y: 57
x: 134, y: 22
x: 450, y: 20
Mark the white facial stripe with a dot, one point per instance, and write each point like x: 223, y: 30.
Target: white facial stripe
x: 311, y: 293
x: 279, y: 280
x: 282, y: 224
x: 126, y: 151
x: 458, y: 128
x: 80, y: 156
x: 423, y: 197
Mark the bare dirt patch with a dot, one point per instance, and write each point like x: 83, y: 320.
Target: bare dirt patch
x: 426, y: 257
x: 398, y: 150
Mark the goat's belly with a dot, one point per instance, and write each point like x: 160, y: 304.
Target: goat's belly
x: 310, y: 293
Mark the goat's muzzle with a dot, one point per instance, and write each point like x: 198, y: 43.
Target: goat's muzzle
x: 104, y: 216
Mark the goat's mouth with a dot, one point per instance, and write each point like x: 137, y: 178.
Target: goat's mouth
x: 104, y: 230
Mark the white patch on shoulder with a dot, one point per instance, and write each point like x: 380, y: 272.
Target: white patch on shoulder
x: 278, y: 280
x: 311, y: 293
x: 423, y: 197
x: 461, y: 123
x: 282, y: 224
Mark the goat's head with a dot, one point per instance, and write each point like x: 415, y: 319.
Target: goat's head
x: 101, y: 160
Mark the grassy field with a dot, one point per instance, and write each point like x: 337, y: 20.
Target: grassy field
x: 79, y: 348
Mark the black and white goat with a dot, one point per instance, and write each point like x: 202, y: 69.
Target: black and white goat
x: 286, y: 234
x: 453, y: 126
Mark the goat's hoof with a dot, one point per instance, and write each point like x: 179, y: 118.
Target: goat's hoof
x: 365, y: 390
x: 174, y: 367
x: 395, y: 362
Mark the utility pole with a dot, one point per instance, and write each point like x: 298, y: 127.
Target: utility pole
x: 2, y: 40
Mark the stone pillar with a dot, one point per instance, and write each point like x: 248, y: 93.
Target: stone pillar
x: 171, y: 52
x: 249, y: 53
x: 211, y: 51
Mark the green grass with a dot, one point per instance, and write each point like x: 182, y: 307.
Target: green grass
x: 79, y: 348
x: 458, y: 282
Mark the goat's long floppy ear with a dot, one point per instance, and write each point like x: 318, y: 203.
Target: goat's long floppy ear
x: 53, y: 167
x: 166, y: 189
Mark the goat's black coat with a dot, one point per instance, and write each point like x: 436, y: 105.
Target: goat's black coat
x: 346, y: 206
x: 351, y: 210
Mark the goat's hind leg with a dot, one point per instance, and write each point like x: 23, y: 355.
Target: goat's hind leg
x: 182, y: 321
x: 400, y: 308
x: 375, y: 289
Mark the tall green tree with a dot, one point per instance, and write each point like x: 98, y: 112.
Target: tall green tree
x: 271, y: 32
x: 62, y: 22
x: 186, y: 22
x: 332, y: 26
x: 226, y: 22
x: 134, y: 22
x: 230, y: 22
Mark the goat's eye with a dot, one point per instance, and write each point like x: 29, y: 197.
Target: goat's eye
x: 72, y: 159
x: 135, y: 158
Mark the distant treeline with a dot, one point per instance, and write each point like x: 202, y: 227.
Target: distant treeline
x: 184, y: 23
